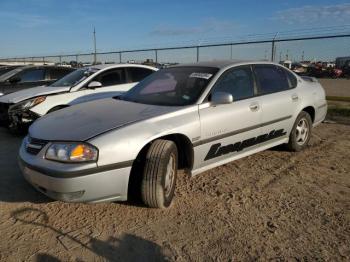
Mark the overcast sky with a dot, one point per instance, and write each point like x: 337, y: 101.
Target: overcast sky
x: 41, y: 27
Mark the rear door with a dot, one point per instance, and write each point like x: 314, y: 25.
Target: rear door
x: 229, y: 130
x: 278, y: 97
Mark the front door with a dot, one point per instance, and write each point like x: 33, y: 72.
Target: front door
x: 229, y: 130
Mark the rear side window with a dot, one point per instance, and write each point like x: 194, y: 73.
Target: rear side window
x: 292, y: 80
x: 238, y: 82
x: 137, y: 74
x: 112, y: 77
x: 58, y: 73
x: 270, y: 79
x: 32, y: 75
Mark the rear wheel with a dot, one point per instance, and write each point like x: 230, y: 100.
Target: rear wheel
x: 159, y: 174
x: 301, y: 132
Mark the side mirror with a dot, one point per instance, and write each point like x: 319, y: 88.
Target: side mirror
x: 94, y: 84
x: 219, y: 98
x: 15, y: 79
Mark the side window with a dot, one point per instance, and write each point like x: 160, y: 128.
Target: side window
x: 32, y: 75
x: 58, y: 73
x: 136, y: 74
x: 112, y: 77
x: 270, y: 79
x: 238, y: 82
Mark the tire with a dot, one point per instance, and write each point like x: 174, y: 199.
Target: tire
x: 301, y: 133
x: 159, y: 174
x: 56, y: 108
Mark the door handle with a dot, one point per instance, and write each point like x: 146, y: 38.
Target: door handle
x: 254, y: 107
x: 295, y: 97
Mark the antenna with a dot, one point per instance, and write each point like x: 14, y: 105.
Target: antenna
x: 95, y: 47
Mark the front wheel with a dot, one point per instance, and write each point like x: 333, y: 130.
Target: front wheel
x: 159, y: 174
x: 301, y: 132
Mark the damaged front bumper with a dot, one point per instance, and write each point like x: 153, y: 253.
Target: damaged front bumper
x: 21, y: 119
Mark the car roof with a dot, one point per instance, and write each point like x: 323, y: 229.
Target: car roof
x: 22, y: 67
x: 103, y: 66
x: 222, y: 63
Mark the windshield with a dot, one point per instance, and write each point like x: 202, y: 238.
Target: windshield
x: 177, y: 86
x: 75, y: 77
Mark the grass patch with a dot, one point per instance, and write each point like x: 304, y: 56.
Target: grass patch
x: 338, y: 111
x: 338, y: 98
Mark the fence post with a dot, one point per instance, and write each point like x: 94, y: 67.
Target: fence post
x: 156, y: 53
x: 76, y: 58
x: 273, y: 48
x: 120, y: 57
x: 60, y: 59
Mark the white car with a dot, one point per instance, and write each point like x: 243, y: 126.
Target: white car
x: 19, y: 109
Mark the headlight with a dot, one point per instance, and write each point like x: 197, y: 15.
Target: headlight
x: 72, y: 152
x: 28, y: 103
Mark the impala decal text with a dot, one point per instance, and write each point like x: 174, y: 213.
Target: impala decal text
x: 217, y: 150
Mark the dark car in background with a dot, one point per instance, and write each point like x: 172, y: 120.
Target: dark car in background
x: 31, y: 76
x: 4, y: 68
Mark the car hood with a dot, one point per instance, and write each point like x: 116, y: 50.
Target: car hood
x: 84, y: 121
x: 28, y: 93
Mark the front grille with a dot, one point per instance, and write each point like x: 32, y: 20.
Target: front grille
x: 34, y: 145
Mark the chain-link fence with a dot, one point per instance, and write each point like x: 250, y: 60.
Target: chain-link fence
x: 315, y: 48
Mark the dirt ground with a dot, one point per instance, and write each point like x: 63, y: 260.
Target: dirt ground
x: 275, y: 205
x: 336, y: 87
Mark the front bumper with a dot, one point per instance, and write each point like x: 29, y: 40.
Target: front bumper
x: 74, y: 186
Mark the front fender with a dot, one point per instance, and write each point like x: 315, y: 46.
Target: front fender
x: 124, y: 144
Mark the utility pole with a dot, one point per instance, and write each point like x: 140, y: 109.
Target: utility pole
x: 302, y: 56
x: 95, y: 60
x: 273, y: 48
